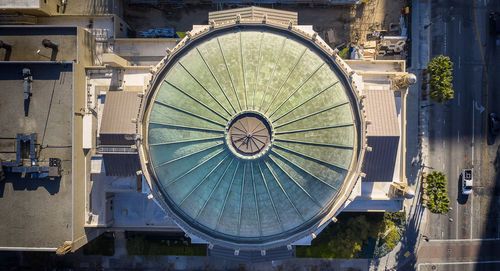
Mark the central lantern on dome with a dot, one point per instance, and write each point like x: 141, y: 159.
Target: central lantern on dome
x: 251, y: 136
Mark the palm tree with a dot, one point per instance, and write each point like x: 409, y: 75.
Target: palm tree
x: 440, y: 71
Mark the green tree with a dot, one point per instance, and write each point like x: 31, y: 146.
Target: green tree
x: 440, y: 71
x: 343, y: 239
x: 438, y: 202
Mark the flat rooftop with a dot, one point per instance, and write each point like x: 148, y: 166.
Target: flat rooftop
x: 33, y: 208
x: 27, y: 40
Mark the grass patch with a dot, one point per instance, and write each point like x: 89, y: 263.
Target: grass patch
x: 140, y: 244
x: 103, y: 245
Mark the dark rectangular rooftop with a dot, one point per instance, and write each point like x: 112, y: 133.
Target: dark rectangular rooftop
x: 120, y: 112
x: 32, y: 208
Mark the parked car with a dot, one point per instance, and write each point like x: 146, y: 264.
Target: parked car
x: 494, y: 120
x: 467, y: 181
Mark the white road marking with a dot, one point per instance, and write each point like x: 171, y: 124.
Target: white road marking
x: 471, y: 213
x: 456, y: 263
x: 456, y: 210
x: 457, y: 207
x: 444, y: 41
x: 478, y: 107
x: 472, y: 135
x: 472, y: 160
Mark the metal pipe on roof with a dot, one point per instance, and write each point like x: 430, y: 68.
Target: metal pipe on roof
x: 8, y: 50
x: 49, y: 44
x: 55, y: 48
x: 38, y: 53
x: 65, y: 2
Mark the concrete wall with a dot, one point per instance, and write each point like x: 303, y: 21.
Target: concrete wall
x: 86, y: 48
x: 50, y: 7
x: 34, y: 4
x: 143, y: 51
x: 101, y: 26
x: 120, y: 27
x: 32, y: 7
x: 81, y: 158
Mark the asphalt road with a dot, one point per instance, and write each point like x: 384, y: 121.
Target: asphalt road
x: 458, y: 130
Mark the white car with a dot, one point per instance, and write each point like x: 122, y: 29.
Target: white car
x: 467, y: 182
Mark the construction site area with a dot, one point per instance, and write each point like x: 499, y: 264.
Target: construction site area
x: 339, y: 25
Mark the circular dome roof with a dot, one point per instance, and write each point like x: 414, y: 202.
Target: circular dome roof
x: 251, y: 133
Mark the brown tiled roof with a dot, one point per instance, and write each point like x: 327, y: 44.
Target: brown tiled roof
x: 120, y: 113
x: 381, y: 112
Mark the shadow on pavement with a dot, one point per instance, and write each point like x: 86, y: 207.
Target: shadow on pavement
x: 461, y: 198
x: 490, y: 139
x: 489, y: 248
x: 493, y: 217
x: 404, y: 257
x: 496, y: 163
x: 411, y: 238
x: 30, y: 184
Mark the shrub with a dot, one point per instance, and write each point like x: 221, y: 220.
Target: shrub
x: 438, y: 201
x: 344, y: 53
x: 392, y: 231
x: 392, y: 238
x: 440, y: 72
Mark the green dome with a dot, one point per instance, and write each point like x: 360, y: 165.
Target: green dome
x: 251, y: 133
